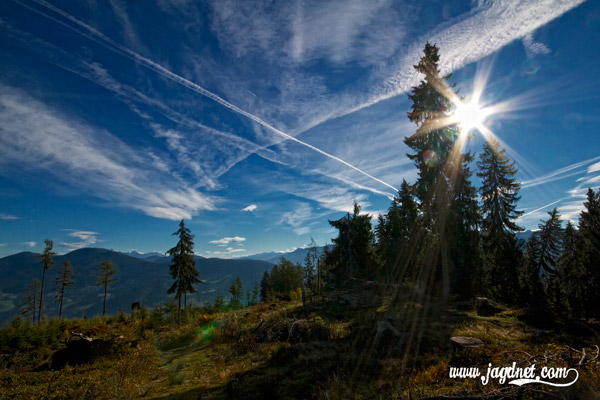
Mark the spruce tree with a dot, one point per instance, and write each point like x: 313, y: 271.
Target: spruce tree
x: 47, y: 263
x: 353, y: 254
x: 532, y: 291
x: 463, y: 228
x: 310, y: 266
x: 61, y: 283
x: 589, y: 232
x: 236, y: 291
x: 30, y: 303
x: 572, y: 273
x: 104, y: 277
x: 394, y: 233
x: 265, y: 287
x: 255, y: 293
x: 550, y: 238
x: 183, y: 267
x: 499, y: 196
x: 219, y: 303
x: 437, y: 159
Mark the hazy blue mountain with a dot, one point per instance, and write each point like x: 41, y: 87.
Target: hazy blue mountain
x: 138, y: 279
x: 151, y: 255
x: 525, y: 235
x: 296, y: 256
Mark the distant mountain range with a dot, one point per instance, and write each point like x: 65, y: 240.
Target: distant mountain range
x: 296, y: 256
x: 143, y: 279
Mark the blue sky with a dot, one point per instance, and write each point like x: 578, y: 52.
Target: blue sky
x: 256, y: 122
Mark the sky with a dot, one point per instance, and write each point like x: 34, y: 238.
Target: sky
x: 258, y: 121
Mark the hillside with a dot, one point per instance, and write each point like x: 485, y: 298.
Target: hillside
x: 321, y: 351
x: 138, y: 279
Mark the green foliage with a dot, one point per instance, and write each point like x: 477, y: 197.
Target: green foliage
x: 285, y: 278
x: 463, y: 231
x: 61, y: 283
x: 183, y: 266
x: 30, y: 301
x: 499, y: 194
x: 572, y: 274
x: 353, y: 254
x: 589, y: 232
x: 393, y: 235
x: 265, y: 287
x: 237, y: 292
x: 47, y: 263
x: 219, y: 303
x: 104, y: 277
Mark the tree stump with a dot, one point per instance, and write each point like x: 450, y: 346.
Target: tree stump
x: 465, y: 343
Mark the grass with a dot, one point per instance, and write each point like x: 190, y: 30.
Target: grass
x: 248, y: 354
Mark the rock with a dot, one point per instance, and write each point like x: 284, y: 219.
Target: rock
x: 486, y: 307
x: 465, y: 342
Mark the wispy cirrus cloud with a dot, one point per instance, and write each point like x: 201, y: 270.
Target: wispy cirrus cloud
x: 90, y: 159
x: 227, y: 240
x: 30, y: 244
x: 8, y: 217
x: 571, y: 205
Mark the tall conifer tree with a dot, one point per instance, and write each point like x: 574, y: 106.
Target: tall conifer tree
x: 47, y: 263
x: 183, y: 266
x: 104, y: 277
x: 438, y: 160
x: 499, y: 196
x: 61, y: 283
x: 571, y: 272
x: 589, y: 231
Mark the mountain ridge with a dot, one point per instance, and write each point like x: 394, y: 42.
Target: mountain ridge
x: 138, y: 280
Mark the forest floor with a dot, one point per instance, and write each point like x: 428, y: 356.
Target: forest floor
x: 323, y: 351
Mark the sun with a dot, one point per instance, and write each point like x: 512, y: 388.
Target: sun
x: 469, y: 115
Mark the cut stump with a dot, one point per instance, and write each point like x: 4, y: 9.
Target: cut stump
x: 465, y: 342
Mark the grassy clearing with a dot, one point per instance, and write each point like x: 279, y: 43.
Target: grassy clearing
x: 285, y: 350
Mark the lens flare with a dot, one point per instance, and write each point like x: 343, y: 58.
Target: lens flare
x: 430, y: 158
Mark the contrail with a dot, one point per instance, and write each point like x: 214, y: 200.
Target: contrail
x: 107, y: 42
x: 558, y: 174
x: 542, y: 207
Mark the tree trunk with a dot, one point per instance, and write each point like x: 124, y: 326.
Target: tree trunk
x: 41, y: 296
x: 33, y: 303
x: 60, y: 306
x: 104, y: 308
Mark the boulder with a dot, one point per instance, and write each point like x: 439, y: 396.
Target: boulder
x: 486, y: 307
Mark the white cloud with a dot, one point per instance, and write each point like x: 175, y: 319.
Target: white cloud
x: 250, y: 208
x: 532, y: 47
x: 86, y: 239
x: 226, y: 240
x: 91, y: 160
x: 7, y: 217
x: 299, y: 218
x: 30, y: 244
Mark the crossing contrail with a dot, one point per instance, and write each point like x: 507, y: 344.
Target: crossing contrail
x: 98, y: 37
